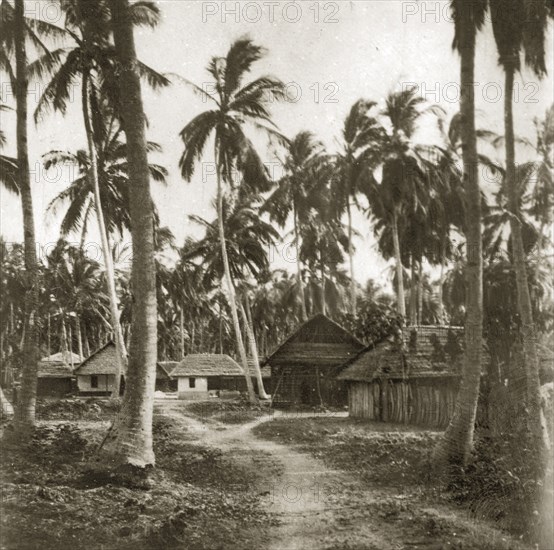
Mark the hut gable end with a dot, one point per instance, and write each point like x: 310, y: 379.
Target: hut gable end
x: 319, y: 341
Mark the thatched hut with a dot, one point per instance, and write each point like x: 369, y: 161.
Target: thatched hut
x: 304, y: 366
x: 201, y: 373
x: 96, y: 374
x: 55, y: 377
x: 412, y: 378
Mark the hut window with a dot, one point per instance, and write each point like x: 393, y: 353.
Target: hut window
x: 93, y: 381
x: 192, y: 382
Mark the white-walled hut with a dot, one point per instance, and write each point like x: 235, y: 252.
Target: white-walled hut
x: 411, y: 378
x: 202, y: 373
x: 55, y: 375
x: 305, y: 365
x: 96, y: 374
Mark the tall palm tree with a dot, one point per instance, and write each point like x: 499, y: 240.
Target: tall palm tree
x: 355, y: 162
x: 129, y: 442
x: 294, y: 194
x: 235, y: 105
x: 403, y: 189
x: 93, y: 61
x: 520, y: 26
x: 248, y: 238
x: 457, y: 442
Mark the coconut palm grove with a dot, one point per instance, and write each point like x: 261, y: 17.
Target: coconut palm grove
x: 276, y: 275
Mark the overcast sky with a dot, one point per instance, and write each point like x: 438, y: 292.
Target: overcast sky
x: 330, y: 53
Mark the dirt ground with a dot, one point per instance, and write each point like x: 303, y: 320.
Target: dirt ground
x: 233, y: 480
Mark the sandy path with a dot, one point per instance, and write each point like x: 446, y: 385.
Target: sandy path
x: 317, y: 508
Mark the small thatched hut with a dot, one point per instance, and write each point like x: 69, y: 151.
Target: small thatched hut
x: 412, y: 378
x: 201, y: 373
x: 55, y: 376
x: 304, y: 366
x: 96, y: 374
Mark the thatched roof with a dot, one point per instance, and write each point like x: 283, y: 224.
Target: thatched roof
x: 207, y: 364
x: 58, y: 365
x: 63, y: 357
x: 166, y: 367
x: 319, y: 342
x: 52, y: 369
x: 421, y: 352
x: 102, y: 361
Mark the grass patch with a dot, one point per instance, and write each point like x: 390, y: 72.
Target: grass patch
x: 199, y: 499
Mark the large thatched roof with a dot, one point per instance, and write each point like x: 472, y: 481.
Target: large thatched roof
x: 58, y: 365
x: 319, y: 342
x: 102, y: 361
x: 207, y: 364
x: 421, y: 352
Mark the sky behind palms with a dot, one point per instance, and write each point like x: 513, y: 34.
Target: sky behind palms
x: 330, y: 53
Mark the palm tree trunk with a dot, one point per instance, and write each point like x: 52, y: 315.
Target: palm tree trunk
x: 420, y: 293
x: 230, y: 288
x: 299, y: 282
x: 457, y: 442
x: 25, y: 414
x: 253, y: 349
x: 524, y: 300
x: 413, y: 295
x: 401, y: 306
x: 48, y: 336
x: 442, y: 313
x: 106, y: 250
x: 130, y: 440
x: 351, y: 259
x: 322, y: 271
x: 79, y: 335
x: 182, y: 330
x: 85, y: 341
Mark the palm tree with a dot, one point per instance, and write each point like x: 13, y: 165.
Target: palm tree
x: 457, y: 442
x: 92, y: 59
x: 235, y: 105
x: 129, y: 442
x: 361, y: 136
x: 404, y: 186
x: 248, y: 238
x: 8, y: 165
x: 522, y: 28
x: 294, y: 194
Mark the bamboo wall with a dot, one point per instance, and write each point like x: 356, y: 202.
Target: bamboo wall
x: 423, y: 402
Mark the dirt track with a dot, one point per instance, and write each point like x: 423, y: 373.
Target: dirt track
x: 317, y: 508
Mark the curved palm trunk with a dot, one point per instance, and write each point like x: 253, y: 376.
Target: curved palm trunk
x: 106, y: 251
x: 25, y: 408
x: 79, y: 335
x: 130, y: 440
x: 456, y: 444
x: 351, y: 260
x: 230, y: 287
x: 182, y: 331
x: 519, y: 259
x: 253, y: 352
x: 401, y: 306
x: 299, y: 281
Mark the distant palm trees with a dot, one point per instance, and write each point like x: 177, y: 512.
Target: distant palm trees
x: 235, y: 105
